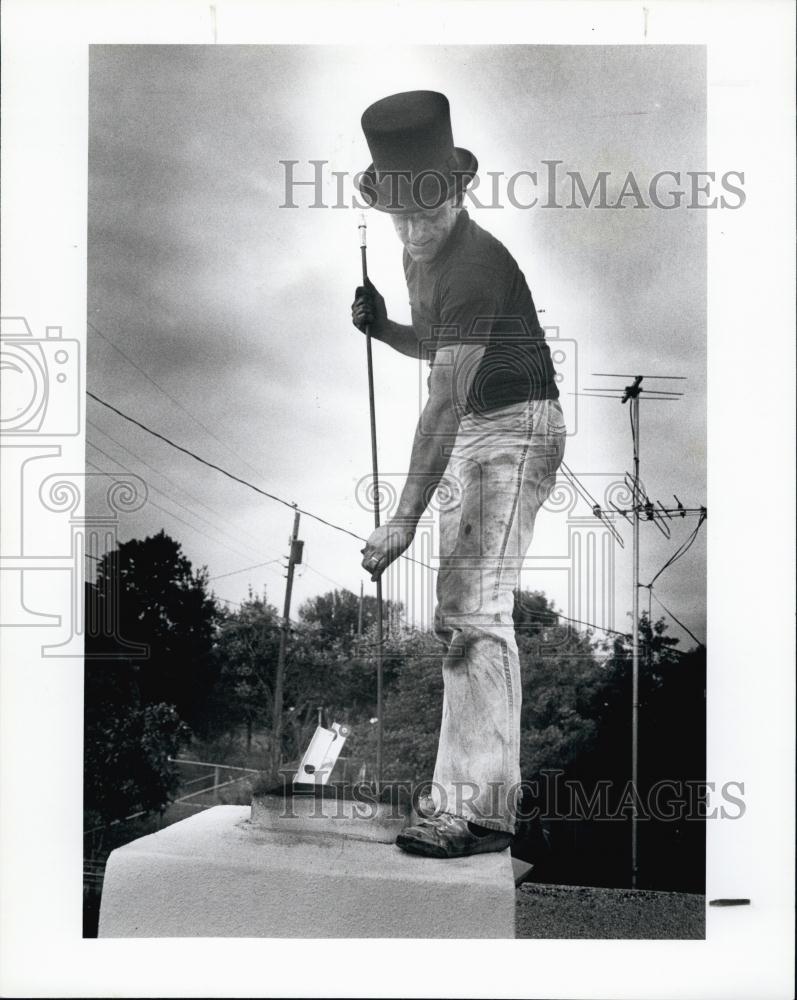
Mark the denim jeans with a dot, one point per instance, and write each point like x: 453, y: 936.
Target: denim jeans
x: 501, y: 470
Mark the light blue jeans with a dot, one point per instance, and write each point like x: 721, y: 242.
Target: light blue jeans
x: 501, y: 470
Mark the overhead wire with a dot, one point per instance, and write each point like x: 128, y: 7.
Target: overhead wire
x: 171, y: 499
x: 677, y: 620
x: 169, y: 513
x: 171, y: 482
x: 169, y: 396
x: 239, y: 479
x: 583, y: 491
x: 681, y: 550
x: 235, y: 572
x: 163, y: 475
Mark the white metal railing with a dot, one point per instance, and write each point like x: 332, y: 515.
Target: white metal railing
x: 216, y: 775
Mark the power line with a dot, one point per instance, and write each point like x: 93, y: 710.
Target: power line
x: 188, y: 510
x: 677, y: 620
x: 667, y: 378
x: 598, y: 628
x: 238, y: 479
x: 408, y: 624
x: 681, y: 550
x: 340, y: 528
x: 163, y: 510
x: 228, y: 600
x: 218, y: 468
x: 171, y: 482
x: 221, y: 576
x: 168, y: 395
x: 177, y: 503
x: 293, y: 625
x: 337, y: 583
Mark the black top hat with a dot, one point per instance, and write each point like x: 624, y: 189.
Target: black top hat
x: 416, y: 164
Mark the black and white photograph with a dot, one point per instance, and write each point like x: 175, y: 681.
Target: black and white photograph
x: 377, y: 560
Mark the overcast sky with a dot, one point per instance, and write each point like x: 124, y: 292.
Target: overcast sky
x: 221, y: 320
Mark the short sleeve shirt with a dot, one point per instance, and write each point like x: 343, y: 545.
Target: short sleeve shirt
x: 473, y: 292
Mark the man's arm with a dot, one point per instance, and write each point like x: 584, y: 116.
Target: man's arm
x: 434, y: 437
x: 400, y: 337
x: 368, y: 309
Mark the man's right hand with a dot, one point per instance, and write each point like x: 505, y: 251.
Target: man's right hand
x: 368, y: 309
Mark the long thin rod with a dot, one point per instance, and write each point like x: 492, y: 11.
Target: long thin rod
x: 635, y: 653
x: 377, y: 520
x: 619, y: 395
x: 648, y: 392
x: 679, y: 378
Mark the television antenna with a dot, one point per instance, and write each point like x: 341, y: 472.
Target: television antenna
x: 641, y: 507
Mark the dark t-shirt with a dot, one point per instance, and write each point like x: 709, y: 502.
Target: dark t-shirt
x: 473, y: 292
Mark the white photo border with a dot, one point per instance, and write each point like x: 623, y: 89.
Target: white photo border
x: 748, y: 950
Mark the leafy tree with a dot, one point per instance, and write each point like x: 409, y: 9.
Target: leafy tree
x: 126, y: 761
x: 532, y: 613
x: 146, y: 599
x: 323, y: 666
x: 336, y: 614
x: 149, y: 590
x: 332, y: 665
x: 413, y: 707
x: 247, y: 646
x: 671, y: 745
x: 560, y: 676
x: 659, y: 660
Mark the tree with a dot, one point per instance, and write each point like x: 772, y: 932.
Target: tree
x: 413, y: 705
x: 333, y: 665
x: 165, y: 607
x: 337, y: 614
x: 532, y: 613
x: 246, y: 650
x: 136, y: 709
x: 126, y: 761
x: 559, y: 675
x: 322, y: 666
x: 671, y: 745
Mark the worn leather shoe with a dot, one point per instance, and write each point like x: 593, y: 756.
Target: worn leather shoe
x: 446, y: 836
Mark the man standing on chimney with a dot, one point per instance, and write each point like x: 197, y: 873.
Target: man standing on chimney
x: 491, y: 435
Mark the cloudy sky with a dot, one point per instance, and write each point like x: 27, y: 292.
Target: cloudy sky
x: 221, y: 319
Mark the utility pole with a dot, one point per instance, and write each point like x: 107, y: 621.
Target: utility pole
x: 360, y: 613
x: 632, y: 393
x: 294, y: 558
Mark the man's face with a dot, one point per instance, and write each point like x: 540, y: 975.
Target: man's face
x: 424, y: 233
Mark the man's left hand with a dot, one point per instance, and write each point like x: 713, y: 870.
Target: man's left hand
x: 385, y: 544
